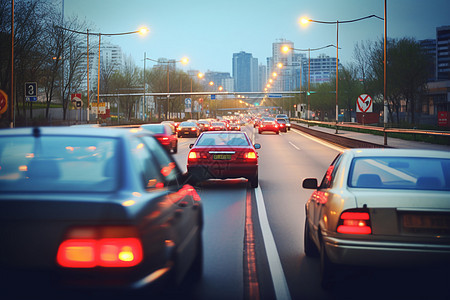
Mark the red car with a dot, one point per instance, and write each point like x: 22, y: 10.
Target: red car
x: 165, y: 134
x: 269, y: 124
x: 222, y: 155
x: 218, y: 126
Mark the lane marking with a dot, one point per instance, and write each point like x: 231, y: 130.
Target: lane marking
x: 250, y: 256
x: 292, y: 144
x: 329, y: 145
x: 276, y: 270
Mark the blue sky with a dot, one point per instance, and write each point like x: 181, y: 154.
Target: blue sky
x: 209, y: 31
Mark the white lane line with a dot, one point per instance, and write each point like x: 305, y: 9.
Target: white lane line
x: 276, y: 270
x: 292, y: 144
x: 329, y: 145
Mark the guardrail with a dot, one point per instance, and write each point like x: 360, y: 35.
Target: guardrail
x: 430, y: 136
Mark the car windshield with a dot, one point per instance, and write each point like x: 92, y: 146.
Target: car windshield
x: 225, y: 139
x: 187, y: 124
x: 155, y: 128
x: 400, y: 173
x: 58, y: 164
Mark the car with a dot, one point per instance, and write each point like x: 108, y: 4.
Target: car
x: 284, y: 116
x: 379, y: 207
x: 188, y: 129
x: 165, y: 134
x: 218, y: 126
x: 282, y: 124
x: 173, y: 123
x: 204, y: 125
x: 222, y: 155
x: 268, y: 124
x: 104, y: 210
x: 235, y: 126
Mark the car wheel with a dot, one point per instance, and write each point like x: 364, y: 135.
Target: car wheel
x: 278, y: 132
x: 253, y: 182
x: 308, y: 243
x: 175, y: 150
x: 259, y: 132
x: 327, y: 269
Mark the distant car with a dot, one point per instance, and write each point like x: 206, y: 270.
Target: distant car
x: 380, y: 207
x: 205, y: 125
x: 100, y: 209
x: 235, y: 126
x: 188, y: 129
x: 282, y: 124
x: 165, y: 134
x: 284, y: 116
x: 218, y: 126
x: 268, y: 124
x: 222, y: 155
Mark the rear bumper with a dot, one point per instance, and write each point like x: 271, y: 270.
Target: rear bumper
x: 205, y: 172
x: 385, y: 254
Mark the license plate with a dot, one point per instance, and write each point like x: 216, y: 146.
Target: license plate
x: 426, y: 223
x: 186, y: 132
x: 222, y: 156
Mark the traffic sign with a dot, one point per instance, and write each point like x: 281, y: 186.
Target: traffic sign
x: 3, y: 102
x: 30, y: 89
x: 364, y: 103
x: 275, y: 95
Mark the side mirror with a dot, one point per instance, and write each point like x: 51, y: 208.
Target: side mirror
x: 310, y: 183
x: 191, y: 145
x: 257, y: 146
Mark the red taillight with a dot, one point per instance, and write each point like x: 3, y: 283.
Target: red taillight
x: 163, y: 140
x: 250, y: 155
x: 89, y: 247
x: 354, y: 222
x: 193, y: 129
x: 192, y: 155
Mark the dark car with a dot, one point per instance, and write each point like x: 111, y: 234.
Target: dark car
x: 165, y: 134
x: 102, y: 209
x: 282, y: 124
x: 222, y: 155
x: 268, y: 124
x: 188, y: 129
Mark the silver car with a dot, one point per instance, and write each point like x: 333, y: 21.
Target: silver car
x: 380, y: 207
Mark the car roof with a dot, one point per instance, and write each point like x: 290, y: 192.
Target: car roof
x: 71, y: 131
x: 390, y: 152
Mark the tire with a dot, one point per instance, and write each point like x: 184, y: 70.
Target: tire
x: 253, y: 182
x: 175, y: 150
x: 278, y: 132
x: 308, y: 243
x: 259, y: 132
x: 327, y: 269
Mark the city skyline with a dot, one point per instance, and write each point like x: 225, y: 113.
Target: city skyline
x: 208, y: 33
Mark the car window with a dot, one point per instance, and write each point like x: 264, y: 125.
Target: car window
x: 167, y: 166
x: 329, y: 176
x: 400, y: 173
x: 59, y: 163
x: 144, y: 163
x: 225, y: 139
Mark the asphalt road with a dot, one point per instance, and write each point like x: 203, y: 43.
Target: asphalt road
x: 283, y: 271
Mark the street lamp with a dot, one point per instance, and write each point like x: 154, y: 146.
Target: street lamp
x: 183, y: 61
x: 142, y: 31
x: 305, y: 21
x: 286, y: 49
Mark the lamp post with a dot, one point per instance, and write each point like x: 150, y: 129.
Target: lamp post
x: 183, y: 61
x: 141, y: 31
x: 286, y: 49
x: 306, y: 21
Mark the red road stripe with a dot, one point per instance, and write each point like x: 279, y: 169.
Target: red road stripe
x: 250, y: 257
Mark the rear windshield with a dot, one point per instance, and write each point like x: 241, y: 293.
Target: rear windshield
x: 58, y: 164
x: 154, y: 128
x: 225, y: 139
x: 400, y: 173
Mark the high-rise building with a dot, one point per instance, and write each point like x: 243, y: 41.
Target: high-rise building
x: 220, y: 79
x: 245, y: 72
x: 443, y: 53
x: 323, y: 69
x: 429, y: 46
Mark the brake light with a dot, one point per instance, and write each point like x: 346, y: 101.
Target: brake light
x: 250, y: 155
x: 192, y: 155
x: 354, y: 222
x: 89, y: 247
x: 193, y: 129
